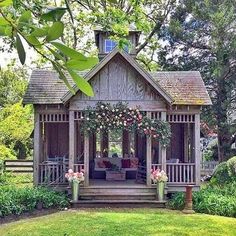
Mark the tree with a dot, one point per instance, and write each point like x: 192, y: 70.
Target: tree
x: 40, y: 33
x: 201, y: 36
x: 12, y: 85
x: 16, y: 126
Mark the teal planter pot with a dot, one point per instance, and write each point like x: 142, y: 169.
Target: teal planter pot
x: 160, y: 191
x: 75, y: 191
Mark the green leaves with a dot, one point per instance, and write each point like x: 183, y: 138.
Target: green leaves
x: 25, y: 17
x: 82, y: 65
x: 20, y: 49
x: 54, y: 14
x: 5, y: 3
x: 40, y: 32
x: 69, y: 52
x: 55, y: 31
x: 81, y: 83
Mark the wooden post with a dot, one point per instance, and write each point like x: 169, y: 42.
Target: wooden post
x: 163, y: 149
x: 86, y: 159
x: 149, y: 157
x: 197, y: 148
x: 71, y: 140
x: 37, y: 141
x: 186, y: 136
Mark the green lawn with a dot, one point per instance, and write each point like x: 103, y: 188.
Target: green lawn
x: 121, y: 222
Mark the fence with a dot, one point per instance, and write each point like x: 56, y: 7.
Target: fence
x: 207, y: 167
x: 18, y: 166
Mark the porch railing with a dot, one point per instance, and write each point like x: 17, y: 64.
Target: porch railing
x: 79, y: 167
x: 181, y: 173
x: 156, y: 166
x: 52, y: 173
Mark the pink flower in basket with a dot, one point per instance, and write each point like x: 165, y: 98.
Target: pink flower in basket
x: 74, y: 176
x: 158, y: 176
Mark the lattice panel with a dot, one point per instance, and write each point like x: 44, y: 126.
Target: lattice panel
x: 54, y: 117
x: 156, y: 115
x: 78, y: 115
x: 180, y: 118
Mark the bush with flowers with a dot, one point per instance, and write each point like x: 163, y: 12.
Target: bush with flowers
x: 104, y: 117
x: 158, y: 176
x: 74, y: 177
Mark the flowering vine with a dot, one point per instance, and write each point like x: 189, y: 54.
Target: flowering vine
x: 104, y: 117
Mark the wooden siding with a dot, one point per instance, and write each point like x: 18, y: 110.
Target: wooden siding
x: 118, y: 81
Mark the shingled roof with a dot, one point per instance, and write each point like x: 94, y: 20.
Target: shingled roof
x: 185, y: 87
x: 176, y: 87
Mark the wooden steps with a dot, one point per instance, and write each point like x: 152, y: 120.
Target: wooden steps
x: 118, y: 203
x: 118, y: 196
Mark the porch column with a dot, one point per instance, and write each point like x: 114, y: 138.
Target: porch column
x: 86, y: 160
x: 163, y: 149
x: 197, y: 148
x: 71, y: 140
x: 149, y: 156
x: 37, y: 141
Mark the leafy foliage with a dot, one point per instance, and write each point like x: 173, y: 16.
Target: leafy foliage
x: 13, y: 84
x: 212, y: 199
x: 105, y: 117
x: 225, y: 172
x: 201, y: 36
x: 16, y: 125
x: 40, y: 34
x: 15, y: 200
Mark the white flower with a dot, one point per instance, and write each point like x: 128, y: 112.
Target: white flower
x: 87, y: 118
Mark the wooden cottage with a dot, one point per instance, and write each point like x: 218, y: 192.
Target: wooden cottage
x: 117, y: 159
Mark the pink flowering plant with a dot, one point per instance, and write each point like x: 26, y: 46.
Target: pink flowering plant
x: 74, y: 177
x: 158, y: 176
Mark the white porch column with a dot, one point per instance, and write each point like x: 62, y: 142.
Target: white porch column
x: 197, y: 155
x: 163, y: 149
x: 86, y: 160
x: 37, y: 141
x: 71, y: 140
x: 148, y: 156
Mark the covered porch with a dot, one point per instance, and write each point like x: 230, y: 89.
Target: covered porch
x: 60, y: 144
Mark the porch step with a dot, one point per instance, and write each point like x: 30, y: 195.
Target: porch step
x: 118, y: 203
x: 118, y: 196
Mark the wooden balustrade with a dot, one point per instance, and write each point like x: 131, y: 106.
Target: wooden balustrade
x: 52, y: 173
x: 78, y: 167
x: 181, y: 173
x: 156, y: 167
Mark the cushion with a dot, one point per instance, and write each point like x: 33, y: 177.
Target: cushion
x: 134, y: 163
x: 100, y: 164
x: 125, y: 163
x: 107, y: 164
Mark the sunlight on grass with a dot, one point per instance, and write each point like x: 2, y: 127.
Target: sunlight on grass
x: 122, y: 222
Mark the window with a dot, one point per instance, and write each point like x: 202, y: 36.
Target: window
x: 109, y: 45
x: 115, y: 143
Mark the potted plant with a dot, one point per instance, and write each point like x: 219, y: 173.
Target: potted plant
x: 159, y: 178
x: 75, y: 178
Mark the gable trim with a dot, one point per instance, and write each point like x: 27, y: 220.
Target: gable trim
x: 133, y: 63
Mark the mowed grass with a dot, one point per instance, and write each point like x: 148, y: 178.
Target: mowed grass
x: 121, y: 222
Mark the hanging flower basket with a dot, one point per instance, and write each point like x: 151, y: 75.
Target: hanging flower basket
x: 104, y: 117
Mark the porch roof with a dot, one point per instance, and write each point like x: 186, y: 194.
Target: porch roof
x: 177, y: 87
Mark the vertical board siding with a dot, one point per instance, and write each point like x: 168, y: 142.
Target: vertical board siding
x: 118, y: 81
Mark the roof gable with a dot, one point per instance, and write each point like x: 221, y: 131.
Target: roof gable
x: 132, y: 63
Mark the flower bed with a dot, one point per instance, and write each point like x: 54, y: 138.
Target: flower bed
x: 16, y: 201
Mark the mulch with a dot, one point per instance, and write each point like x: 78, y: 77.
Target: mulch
x: 27, y: 215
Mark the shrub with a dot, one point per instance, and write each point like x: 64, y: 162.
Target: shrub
x: 212, y: 199
x: 231, y: 165
x: 221, y: 174
x: 18, y: 200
